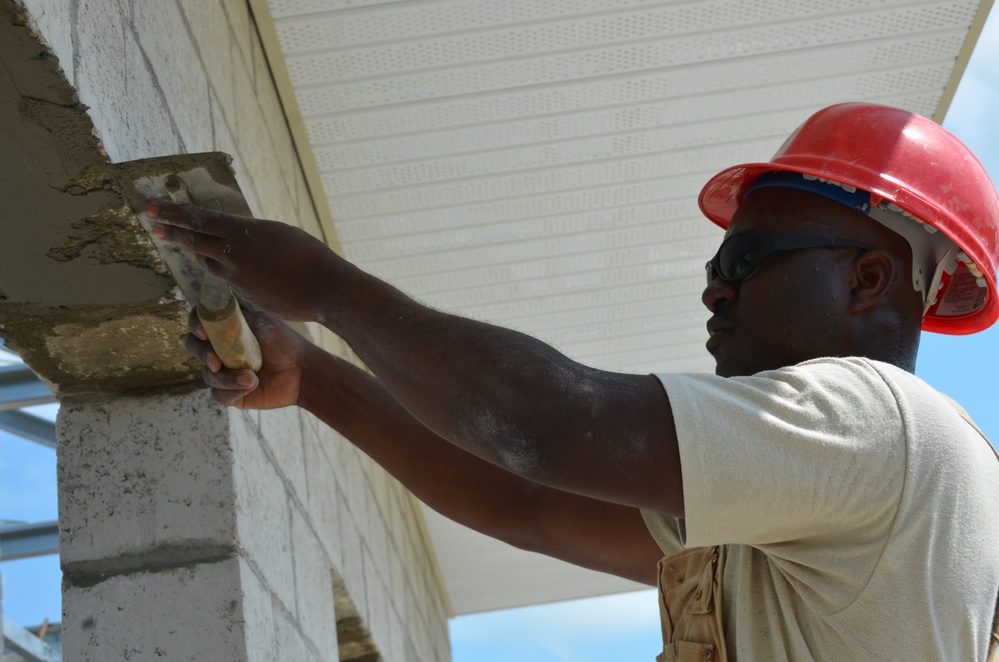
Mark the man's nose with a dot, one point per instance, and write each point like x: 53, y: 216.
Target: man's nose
x: 719, y: 293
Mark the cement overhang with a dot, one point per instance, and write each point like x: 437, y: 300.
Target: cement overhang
x: 84, y: 298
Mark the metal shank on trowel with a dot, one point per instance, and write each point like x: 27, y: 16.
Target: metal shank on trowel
x: 204, y: 180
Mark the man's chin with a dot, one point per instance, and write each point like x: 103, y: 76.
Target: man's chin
x: 725, y: 367
x: 729, y: 360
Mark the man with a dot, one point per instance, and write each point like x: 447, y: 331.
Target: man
x: 814, y: 498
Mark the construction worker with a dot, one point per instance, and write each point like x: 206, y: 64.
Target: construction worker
x: 813, y: 498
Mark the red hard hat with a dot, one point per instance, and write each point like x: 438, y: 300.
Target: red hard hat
x: 905, y: 159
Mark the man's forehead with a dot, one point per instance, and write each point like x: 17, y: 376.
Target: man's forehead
x: 788, y: 210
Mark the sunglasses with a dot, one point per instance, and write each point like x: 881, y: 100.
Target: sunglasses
x: 742, y: 253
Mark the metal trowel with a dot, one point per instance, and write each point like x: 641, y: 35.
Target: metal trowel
x: 204, y: 180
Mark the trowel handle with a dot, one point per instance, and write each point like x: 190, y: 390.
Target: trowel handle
x: 231, y: 337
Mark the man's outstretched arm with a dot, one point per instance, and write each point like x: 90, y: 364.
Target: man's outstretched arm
x: 501, y: 395
x: 584, y: 531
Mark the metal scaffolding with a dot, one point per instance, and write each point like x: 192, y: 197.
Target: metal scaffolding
x: 19, y: 388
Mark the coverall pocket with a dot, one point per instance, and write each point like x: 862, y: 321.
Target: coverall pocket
x: 690, y: 605
x: 687, y: 651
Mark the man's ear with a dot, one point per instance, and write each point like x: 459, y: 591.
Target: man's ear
x: 873, y: 274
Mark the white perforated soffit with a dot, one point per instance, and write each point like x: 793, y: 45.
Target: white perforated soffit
x: 536, y: 163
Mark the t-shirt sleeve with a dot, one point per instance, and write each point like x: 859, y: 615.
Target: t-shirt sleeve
x: 794, y: 455
x: 665, y: 530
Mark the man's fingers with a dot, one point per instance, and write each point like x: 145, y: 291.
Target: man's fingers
x: 197, y: 219
x: 203, y: 352
x: 229, y: 398
x: 198, y: 244
x: 243, y: 381
x: 194, y: 326
x: 229, y: 387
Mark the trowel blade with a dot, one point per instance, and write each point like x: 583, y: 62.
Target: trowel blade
x: 207, y: 181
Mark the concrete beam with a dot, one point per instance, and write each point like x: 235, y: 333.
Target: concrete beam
x: 84, y: 299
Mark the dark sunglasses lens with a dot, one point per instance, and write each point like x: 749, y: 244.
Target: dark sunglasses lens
x: 710, y: 271
x: 739, y: 256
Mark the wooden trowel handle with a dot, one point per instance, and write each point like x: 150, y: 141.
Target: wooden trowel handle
x: 231, y: 337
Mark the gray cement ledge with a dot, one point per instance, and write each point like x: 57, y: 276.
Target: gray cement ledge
x: 84, y: 298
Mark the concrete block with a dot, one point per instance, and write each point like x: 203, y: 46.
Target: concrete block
x: 259, y: 159
x: 305, y: 207
x: 441, y: 641
x: 398, y: 582
x: 292, y: 644
x: 417, y: 631
x: 54, y: 21
x: 169, y: 48
x: 223, y: 128
x: 188, y: 613
x: 147, y: 127
x: 271, y: 107
x: 310, y: 424
x: 313, y: 585
x: 100, y: 65
x: 398, y: 511
x: 142, y: 472
x: 334, y: 446
x: 114, y: 80
x: 387, y: 485
x: 380, y: 541
x: 222, y: 137
x: 255, y: 132
x: 246, y: 124
x: 281, y: 430
x: 395, y: 636
x: 262, y: 513
x: 378, y: 599
x: 256, y: 52
x: 242, y: 29
x: 258, y: 616
x: 414, y: 539
x: 407, y: 559
x: 212, y: 35
x: 275, y: 198
x: 321, y: 500
x: 352, y: 569
x: 412, y: 655
x: 354, y: 481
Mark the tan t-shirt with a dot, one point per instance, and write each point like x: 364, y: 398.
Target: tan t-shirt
x: 858, y: 507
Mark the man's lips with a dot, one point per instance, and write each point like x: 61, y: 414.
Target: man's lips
x: 717, y: 328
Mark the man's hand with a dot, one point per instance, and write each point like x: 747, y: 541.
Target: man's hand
x: 279, y: 268
x: 278, y: 384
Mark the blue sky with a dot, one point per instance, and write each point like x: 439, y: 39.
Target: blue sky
x: 621, y: 627
x: 28, y: 493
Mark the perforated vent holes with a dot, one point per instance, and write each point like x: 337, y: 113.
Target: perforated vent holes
x: 536, y: 163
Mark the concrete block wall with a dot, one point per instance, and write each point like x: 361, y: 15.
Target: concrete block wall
x: 339, y: 511
x: 173, y: 508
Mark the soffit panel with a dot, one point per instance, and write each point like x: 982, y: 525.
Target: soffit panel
x: 536, y: 164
